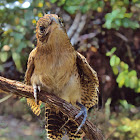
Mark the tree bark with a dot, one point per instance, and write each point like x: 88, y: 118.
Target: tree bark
x: 20, y: 89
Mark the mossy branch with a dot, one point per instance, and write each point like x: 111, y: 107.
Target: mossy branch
x: 20, y: 89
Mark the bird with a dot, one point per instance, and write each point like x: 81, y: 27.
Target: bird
x: 56, y: 67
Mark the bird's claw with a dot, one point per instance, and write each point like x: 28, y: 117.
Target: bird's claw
x: 36, y: 89
x: 83, y: 112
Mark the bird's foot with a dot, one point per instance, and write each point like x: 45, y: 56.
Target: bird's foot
x: 83, y: 112
x: 36, y: 89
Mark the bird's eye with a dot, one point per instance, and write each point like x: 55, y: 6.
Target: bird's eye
x: 60, y: 21
x: 42, y: 29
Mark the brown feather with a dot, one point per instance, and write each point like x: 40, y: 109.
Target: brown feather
x: 58, y: 68
x: 27, y: 80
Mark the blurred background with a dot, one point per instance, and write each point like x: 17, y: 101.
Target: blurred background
x: 106, y: 32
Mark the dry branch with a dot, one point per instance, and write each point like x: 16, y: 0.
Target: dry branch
x: 81, y: 25
x: 75, y: 24
x: 20, y: 89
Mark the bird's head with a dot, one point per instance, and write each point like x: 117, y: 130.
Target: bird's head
x: 47, y: 24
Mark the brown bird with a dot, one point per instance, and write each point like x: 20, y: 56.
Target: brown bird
x: 56, y: 67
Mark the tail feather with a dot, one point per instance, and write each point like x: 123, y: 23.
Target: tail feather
x: 34, y: 107
x: 71, y: 127
x: 55, y: 121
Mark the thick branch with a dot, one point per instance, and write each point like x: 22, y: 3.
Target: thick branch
x: 20, y: 89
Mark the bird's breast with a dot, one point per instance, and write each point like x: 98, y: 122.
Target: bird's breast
x: 52, y: 73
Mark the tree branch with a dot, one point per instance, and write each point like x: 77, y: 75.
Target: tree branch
x: 75, y: 24
x: 20, y: 89
x: 127, y: 47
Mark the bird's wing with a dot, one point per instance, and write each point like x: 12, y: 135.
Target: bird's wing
x: 30, y: 69
x: 89, y: 82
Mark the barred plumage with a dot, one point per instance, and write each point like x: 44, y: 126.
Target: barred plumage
x: 89, y: 82
x: 56, y: 67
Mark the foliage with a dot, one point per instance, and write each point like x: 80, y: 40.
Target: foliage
x: 121, y: 16
x: 84, y: 6
x: 17, y: 28
x: 125, y: 76
x: 17, y: 39
x: 125, y: 124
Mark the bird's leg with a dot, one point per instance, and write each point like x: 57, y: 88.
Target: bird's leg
x: 36, y: 89
x: 83, y: 112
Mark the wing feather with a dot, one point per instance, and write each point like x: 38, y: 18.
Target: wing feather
x: 89, y: 82
x: 30, y: 69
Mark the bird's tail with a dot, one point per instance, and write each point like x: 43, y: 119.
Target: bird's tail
x: 58, y: 124
x: 34, y: 107
x: 71, y: 128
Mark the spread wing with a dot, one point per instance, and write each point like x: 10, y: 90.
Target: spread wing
x: 89, y: 82
x: 30, y: 69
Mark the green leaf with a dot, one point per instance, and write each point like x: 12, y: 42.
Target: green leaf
x: 60, y: 3
x: 21, y: 46
x: 115, y: 70
x: 126, y: 66
x: 115, y: 13
x: 138, y: 87
x: 124, y: 128
x: 137, y: 90
x: 121, y: 78
x: 108, y: 24
x: 134, y: 1
x: 16, y: 58
x: 126, y: 22
x: 17, y: 36
x: 53, y: 1
x: 118, y: 22
x: 127, y: 81
x: 85, y: 8
x: 71, y: 9
x: 111, y: 51
x: 107, y: 108
x: 112, y: 60
x: 28, y: 15
x: 108, y: 54
x: 23, y: 99
x: 121, y: 82
x: 132, y: 73
x: 126, y: 2
x: 117, y: 60
x: 3, y: 56
x: 133, y: 82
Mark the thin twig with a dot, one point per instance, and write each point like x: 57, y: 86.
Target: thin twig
x: 74, y: 26
x: 6, y: 98
x: 88, y: 36
x: 82, y: 23
x: 127, y: 47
